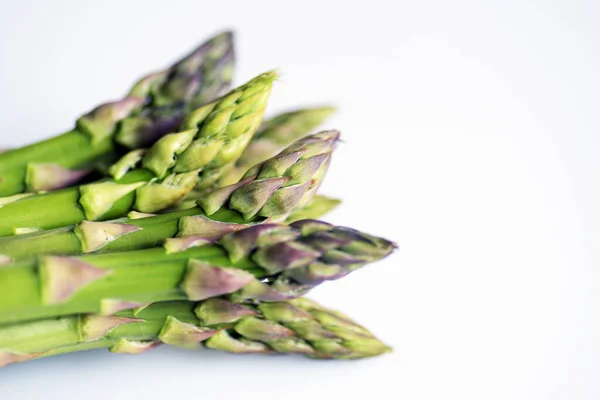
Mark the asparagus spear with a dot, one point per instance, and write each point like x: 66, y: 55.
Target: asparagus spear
x: 212, y: 137
x: 270, y: 192
x: 273, y: 136
x: 298, y: 326
x: 153, y: 107
x: 267, y: 262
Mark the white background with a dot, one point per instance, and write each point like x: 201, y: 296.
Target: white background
x: 470, y: 137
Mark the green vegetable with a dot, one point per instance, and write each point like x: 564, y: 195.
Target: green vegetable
x: 211, y: 138
x: 297, y: 326
x: 267, y: 262
x: 153, y: 107
x: 275, y: 135
x: 269, y: 192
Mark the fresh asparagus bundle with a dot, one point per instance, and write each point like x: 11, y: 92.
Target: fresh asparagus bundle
x: 211, y: 138
x: 297, y: 326
x: 268, y: 262
x: 224, y: 263
x: 153, y: 107
x: 269, y: 192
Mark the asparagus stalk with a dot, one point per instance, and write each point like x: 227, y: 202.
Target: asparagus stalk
x: 272, y: 137
x: 153, y: 107
x: 270, y: 192
x: 298, y: 326
x: 212, y: 137
x: 267, y: 262
x: 275, y: 135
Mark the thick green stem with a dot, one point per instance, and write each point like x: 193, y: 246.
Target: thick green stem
x: 137, y: 276
x: 265, y: 262
x: 71, y: 149
x: 61, y: 208
x: 260, y: 203
x: 295, y: 327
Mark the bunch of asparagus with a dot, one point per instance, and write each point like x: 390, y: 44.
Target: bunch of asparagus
x: 178, y: 216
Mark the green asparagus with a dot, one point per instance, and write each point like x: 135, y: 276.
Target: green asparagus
x: 153, y: 107
x: 268, y: 262
x: 273, y: 136
x: 270, y: 191
x: 298, y: 326
x: 211, y: 137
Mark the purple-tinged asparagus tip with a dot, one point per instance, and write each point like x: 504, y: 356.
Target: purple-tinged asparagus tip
x: 261, y: 291
x: 250, y: 198
x: 113, y: 306
x: 325, y: 241
x: 200, y: 226
x: 213, y: 201
x: 262, y: 330
x: 63, y: 276
x: 284, y: 256
x: 220, y: 311
x: 339, y: 257
x: 94, y: 327
x: 101, y: 121
x: 203, y: 281
x: 317, y: 273
x: 239, y: 244
x: 95, y: 235
x: 175, y: 245
x: 304, y: 170
x: 41, y: 177
x: 285, y: 200
x: 178, y: 333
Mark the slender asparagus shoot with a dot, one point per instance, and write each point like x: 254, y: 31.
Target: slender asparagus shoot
x: 274, y: 135
x: 211, y: 137
x: 154, y: 106
x: 270, y: 192
x: 299, y: 326
x: 268, y: 262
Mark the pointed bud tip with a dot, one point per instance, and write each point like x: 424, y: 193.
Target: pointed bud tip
x: 178, y: 333
x: 94, y: 327
x: 203, y: 281
x: 220, y: 311
x: 62, y: 277
x: 176, y: 245
x: 95, y: 235
x: 113, y: 306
